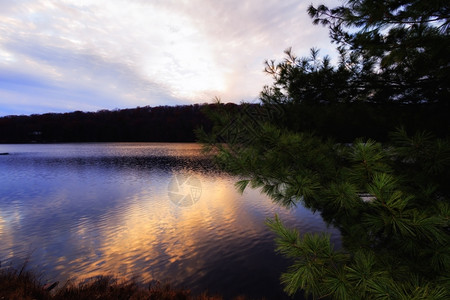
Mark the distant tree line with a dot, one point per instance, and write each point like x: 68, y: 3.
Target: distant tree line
x: 341, y: 122
x: 141, y: 124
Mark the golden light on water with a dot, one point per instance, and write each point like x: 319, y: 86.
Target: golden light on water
x: 6, y: 236
x: 148, y: 231
x: 78, y: 211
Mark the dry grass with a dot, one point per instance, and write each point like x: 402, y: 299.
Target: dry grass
x: 20, y: 284
x: 23, y: 285
x: 109, y: 288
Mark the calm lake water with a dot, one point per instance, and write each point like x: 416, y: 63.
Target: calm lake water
x: 152, y: 210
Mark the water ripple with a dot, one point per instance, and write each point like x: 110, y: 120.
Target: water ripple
x: 78, y: 210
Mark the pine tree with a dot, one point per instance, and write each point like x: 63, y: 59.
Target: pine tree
x: 390, y: 201
x: 405, y: 45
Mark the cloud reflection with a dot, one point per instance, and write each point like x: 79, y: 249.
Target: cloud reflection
x: 93, y: 209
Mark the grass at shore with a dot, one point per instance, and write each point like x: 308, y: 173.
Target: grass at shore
x: 24, y: 285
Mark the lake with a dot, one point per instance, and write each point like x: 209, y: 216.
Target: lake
x: 152, y: 210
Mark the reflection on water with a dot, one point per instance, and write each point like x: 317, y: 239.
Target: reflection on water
x: 81, y: 210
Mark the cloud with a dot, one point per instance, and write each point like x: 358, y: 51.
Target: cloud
x: 78, y: 54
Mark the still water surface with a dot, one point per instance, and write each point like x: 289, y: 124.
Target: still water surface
x: 82, y: 210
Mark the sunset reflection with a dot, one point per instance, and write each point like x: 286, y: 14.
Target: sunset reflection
x: 152, y: 236
x: 105, y: 209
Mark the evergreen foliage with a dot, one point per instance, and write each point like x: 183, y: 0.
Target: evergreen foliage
x: 390, y: 51
x: 390, y: 200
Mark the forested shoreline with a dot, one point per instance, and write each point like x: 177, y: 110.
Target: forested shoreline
x: 141, y: 124
x: 342, y: 122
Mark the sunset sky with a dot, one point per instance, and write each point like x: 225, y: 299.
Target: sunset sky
x: 66, y: 55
